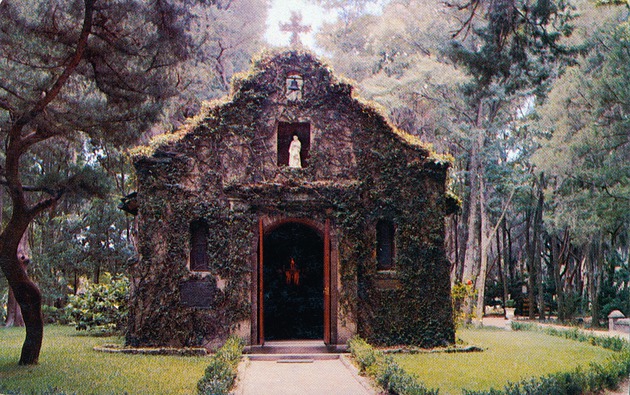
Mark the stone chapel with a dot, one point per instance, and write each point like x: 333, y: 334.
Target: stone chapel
x: 290, y: 210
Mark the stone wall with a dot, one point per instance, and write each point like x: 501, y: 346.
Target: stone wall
x: 223, y: 169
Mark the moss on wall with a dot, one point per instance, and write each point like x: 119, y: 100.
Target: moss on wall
x: 223, y: 169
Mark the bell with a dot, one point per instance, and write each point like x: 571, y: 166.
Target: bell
x: 293, y: 86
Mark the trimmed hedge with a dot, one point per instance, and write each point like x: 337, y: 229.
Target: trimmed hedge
x: 592, y: 380
x: 387, y: 373
x: 609, y: 342
x: 220, y: 374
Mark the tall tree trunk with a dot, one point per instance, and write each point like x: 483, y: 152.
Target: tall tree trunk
x: 507, y: 248
x: 537, y: 247
x: 560, y: 249
x: 531, y: 279
x: 452, y: 246
x: 595, y: 257
x: 485, y: 240
x: 471, y: 253
x: 96, y: 275
x: 483, y: 254
x: 502, y: 273
x: 456, y: 247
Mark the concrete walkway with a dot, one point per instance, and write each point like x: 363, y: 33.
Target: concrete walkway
x: 303, y: 376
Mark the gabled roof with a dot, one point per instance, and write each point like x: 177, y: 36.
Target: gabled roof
x: 265, y: 80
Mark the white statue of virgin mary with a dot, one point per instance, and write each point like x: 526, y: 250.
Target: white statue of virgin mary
x: 294, y: 153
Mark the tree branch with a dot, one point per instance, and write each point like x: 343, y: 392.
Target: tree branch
x: 73, y: 62
x: 44, y: 204
x: 32, y: 188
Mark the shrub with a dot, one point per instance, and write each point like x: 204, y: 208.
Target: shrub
x: 54, y: 315
x: 102, y: 306
x: 609, y: 342
x: 461, y: 292
x: 363, y: 353
x: 594, y: 380
x: 387, y: 373
x: 220, y: 374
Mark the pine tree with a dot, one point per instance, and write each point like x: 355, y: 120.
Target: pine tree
x: 100, y: 68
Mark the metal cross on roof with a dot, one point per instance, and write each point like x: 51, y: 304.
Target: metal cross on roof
x: 295, y: 27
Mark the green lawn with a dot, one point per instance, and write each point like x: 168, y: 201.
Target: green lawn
x: 67, y: 362
x: 509, y: 356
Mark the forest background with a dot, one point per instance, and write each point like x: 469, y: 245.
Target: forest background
x: 531, y: 98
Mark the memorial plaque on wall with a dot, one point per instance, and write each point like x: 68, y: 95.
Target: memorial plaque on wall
x: 199, y: 294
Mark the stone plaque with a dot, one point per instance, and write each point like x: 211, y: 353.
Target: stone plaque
x: 198, y: 294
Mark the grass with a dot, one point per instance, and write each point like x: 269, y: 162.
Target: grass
x: 68, y: 363
x: 509, y: 357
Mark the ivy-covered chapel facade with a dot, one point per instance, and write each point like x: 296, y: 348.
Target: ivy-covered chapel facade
x: 290, y: 210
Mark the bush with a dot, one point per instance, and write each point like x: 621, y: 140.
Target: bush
x: 594, y: 380
x: 387, y: 373
x: 461, y: 292
x: 54, y: 315
x: 220, y: 374
x: 363, y: 353
x: 609, y: 342
x: 102, y: 306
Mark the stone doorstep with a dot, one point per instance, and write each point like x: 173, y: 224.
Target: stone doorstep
x: 293, y: 358
x: 295, y: 347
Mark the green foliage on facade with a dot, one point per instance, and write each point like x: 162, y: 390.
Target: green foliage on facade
x: 220, y: 170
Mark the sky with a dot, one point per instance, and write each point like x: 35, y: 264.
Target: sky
x: 280, y: 12
x: 312, y: 14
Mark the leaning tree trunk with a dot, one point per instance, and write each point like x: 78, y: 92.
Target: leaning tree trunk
x: 14, y: 313
x: 29, y: 298
x: 17, y: 143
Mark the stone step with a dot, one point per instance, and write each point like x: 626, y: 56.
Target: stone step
x: 293, y: 358
x: 295, y: 347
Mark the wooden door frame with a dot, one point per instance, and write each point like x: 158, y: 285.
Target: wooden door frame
x: 329, y: 284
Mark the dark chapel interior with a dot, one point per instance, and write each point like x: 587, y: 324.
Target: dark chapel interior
x: 293, y: 283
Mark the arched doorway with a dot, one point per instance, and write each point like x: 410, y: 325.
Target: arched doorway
x: 293, y: 283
